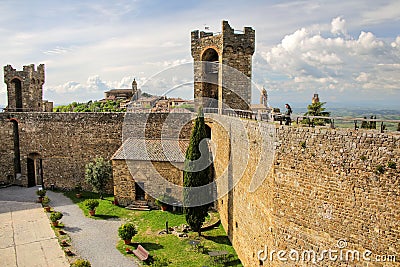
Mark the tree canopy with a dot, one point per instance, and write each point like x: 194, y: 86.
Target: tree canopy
x: 96, y: 106
x: 316, y: 109
x: 98, y: 174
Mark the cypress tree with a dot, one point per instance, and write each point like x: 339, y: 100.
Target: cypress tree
x: 196, y: 175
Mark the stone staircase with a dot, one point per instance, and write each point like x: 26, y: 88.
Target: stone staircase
x: 139, y: 205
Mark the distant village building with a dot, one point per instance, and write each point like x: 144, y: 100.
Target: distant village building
x: 264, y: 97
x: 118, y: 94
x: 263, y: 106
x: 142, y: 104
x: 123, y: 94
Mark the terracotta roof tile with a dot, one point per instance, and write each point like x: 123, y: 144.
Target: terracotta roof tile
x: 152, y: 150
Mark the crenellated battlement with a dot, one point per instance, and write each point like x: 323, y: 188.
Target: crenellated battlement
x: 25, y: 88
x: 229, y: 86
x: 28, y: 71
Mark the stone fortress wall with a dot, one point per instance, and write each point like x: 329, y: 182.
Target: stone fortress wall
x: 322, y: 187
x: 66, y: 142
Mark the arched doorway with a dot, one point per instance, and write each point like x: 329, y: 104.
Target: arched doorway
x: 34, y: 170
x: 17, y: 86
x: 17, y: 159
x: 210, y: 83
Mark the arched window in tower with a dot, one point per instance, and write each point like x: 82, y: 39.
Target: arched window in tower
x: 17, y: 86
x: 210, y: 83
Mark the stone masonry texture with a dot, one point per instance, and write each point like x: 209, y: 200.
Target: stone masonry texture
x: 322, y: 187
x: 234, y: 54
x: 293, y: 188
x: 30, y: 93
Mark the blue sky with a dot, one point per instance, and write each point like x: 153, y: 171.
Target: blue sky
x: 347, y: 51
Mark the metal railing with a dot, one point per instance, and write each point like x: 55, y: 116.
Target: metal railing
x: 308, y: 120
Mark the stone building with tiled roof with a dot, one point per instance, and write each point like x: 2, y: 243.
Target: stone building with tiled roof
x: 146, y: 168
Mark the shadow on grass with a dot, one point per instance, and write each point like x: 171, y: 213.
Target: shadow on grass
x: 220, y: 239
x: 149, y: 246
x: 236, y: 262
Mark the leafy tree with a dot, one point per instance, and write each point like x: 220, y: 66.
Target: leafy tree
x: 316, y: 109
x: 98, y: 174
x: 108, y: 106
x: 195, y: 176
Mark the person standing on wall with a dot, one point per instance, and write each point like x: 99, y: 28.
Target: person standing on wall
x: 288, y: 112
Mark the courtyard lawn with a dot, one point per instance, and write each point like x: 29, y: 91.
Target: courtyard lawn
x: 106, y: 208
x: 168, y: 248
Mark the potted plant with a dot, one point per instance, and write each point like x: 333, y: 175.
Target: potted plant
x: 91, y: 204
x: 78, y: 189
x: 45, y: 203
x: 55, y: 216
x: 41, y: 193
x: 126, y: 232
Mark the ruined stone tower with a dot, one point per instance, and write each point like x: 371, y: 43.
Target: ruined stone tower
x: 222, y: 67
x: 24, y: 88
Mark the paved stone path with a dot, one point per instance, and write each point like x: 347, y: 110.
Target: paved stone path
x: 26, y: 237
x: 94, y: 240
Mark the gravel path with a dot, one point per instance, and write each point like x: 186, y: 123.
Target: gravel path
x: 94, y: 240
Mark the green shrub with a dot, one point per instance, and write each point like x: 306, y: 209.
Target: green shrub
x: 81, y: 263
x: 379, y: 169
x: 45, y: 201
x: 391, y: 164
x: 363, y: 158
x: 41, y: 192
x: 55, y: 216
x: 78, y: 187
x: 303, y: 144
x: 127, y: 231
x: 91, y: 204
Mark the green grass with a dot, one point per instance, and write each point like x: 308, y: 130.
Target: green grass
x: 175, y: 250
x: 105, y: 210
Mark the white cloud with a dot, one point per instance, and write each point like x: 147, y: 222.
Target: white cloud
x: 382, y: 13
x: 396, y: 43
x: 312, y: 60
x: 338, y: 26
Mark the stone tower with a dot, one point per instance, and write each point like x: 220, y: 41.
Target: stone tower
x: 24, y: 88
x: 222, y: 67
x: 137, y: 93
